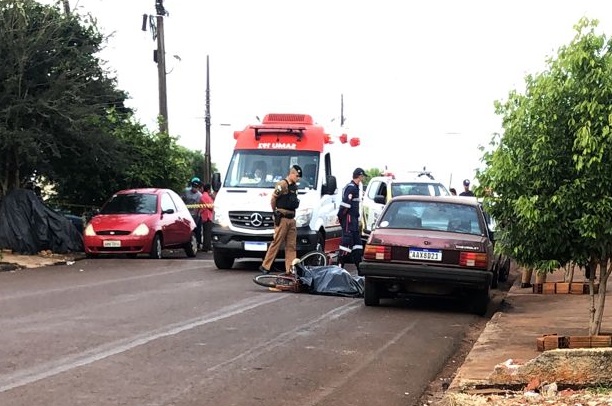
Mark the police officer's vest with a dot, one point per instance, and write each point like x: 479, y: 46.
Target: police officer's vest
x: 350, y: 189
x: 289, y: 201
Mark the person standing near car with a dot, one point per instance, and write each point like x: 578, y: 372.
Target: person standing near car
x: 206, y: 214
x: 284, y: 202
x: 466, y: 189
x: 351, y: 247
x: 192, y: 196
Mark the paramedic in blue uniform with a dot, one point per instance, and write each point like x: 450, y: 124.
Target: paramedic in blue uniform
x: 284, y: 202
x: 351, y: 248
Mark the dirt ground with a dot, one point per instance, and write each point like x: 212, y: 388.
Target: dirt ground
x: 10, y: 261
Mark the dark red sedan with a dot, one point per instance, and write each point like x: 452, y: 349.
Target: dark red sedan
x: 428, y: 245
x: 141, y: 221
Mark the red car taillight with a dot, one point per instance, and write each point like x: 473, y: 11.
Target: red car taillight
x: 475, y: 259
x: 377, y: 253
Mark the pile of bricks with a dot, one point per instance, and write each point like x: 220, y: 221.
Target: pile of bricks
x: 554, y: 341
x: 574, y: 288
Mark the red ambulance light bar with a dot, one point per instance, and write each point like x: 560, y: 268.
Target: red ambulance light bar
x: 272, y: 130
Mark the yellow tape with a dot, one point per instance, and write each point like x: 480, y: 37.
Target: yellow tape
x: 200, y: 206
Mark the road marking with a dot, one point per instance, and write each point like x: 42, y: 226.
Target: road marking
x: 95, y: 284
x: 290, y: 335
x: 51, y: 368
x: 365, y: 362
x: 269, y: 346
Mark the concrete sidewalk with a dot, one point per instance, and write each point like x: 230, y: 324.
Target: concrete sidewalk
x: 510, y: 338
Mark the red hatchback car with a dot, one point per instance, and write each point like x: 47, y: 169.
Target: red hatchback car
x: 141, y: 221
x: 430, y: 245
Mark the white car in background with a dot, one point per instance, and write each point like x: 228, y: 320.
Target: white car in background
x: 381, y: 189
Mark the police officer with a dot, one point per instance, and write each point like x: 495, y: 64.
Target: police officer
x: 284, y: 202
x: 466, y: 189
x: 351, y: 248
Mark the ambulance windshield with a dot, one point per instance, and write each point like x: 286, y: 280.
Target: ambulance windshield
x: 262, y: 169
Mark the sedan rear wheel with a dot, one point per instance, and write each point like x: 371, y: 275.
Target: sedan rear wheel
x: 191, y: 248
x: 481, y: 302
x: 371, y: 296
x: 156, y: 247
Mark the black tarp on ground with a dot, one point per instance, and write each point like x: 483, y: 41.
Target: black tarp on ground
x: 28, y: 226
x: 330, y: 280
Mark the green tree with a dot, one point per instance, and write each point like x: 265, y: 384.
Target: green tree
x: 142, y: 159
x: 53, y: 93
x: 551, y: 170
x: 370, y: 173
x: 62, y: 118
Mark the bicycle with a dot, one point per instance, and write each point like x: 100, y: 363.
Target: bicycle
x: 290, y: 282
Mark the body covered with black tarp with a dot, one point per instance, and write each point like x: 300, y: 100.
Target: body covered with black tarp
x: 330, y: 280
x: 28, y: 226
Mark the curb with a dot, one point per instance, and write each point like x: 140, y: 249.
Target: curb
x: 569, y: 367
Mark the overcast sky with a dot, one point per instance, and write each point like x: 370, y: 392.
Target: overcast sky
x: 419, y: 78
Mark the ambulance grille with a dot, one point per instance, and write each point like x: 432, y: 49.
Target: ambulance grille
x: 252, y: 220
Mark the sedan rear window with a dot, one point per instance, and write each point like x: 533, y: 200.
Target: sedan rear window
x: 434, y: 216
x: 418, y: 188
x: 136, y: 203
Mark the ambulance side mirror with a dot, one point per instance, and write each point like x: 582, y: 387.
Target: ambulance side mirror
x: 216, y: 181
x: 329, y: 187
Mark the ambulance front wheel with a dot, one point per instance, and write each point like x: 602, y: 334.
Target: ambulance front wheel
x: 223, y: 261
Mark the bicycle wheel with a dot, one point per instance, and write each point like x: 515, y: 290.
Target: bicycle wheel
x: 314, y: 258
x: 274, y: 281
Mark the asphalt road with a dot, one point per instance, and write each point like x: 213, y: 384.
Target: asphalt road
x: 178, y: 331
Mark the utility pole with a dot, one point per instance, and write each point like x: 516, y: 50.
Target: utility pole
x: 341, y: 110
x: 66, y: 6
x: 161, y: 67
x: 207, y: 161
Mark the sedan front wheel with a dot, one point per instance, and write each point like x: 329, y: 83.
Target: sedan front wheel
x: 156, y: 247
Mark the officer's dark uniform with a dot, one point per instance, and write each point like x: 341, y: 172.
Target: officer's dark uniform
x: 284, y: 202
x: 351, y: 248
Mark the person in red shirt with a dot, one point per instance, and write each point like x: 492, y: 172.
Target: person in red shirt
x: 206, y: 214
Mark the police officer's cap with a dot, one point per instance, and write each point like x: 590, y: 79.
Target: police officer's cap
x: 358, y: 172
x: 298, y: 169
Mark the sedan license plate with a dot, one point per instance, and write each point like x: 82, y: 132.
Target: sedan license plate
x: 111, y: 243
x: 425, y: 254
x: 255, y: 246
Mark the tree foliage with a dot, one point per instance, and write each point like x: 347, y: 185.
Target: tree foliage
x: 53, y: 92
x: 551, y: 170
x: 62, y: 118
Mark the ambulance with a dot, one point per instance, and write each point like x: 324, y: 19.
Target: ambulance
x: 243, y: 224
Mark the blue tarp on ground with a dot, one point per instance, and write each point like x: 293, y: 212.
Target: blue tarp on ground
x: 28, y: 226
